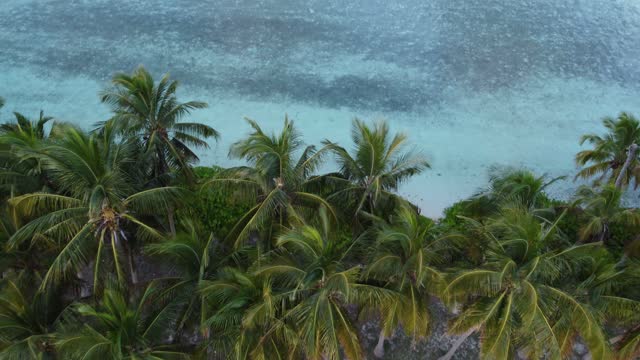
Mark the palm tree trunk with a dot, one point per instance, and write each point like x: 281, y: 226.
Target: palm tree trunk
x: 615, y: 339
x: 172, y: 223
x: 604, y: 234
x: 132, y: 268
x: 457, y: 344
x: 630, y: 156
x: 378, y: 351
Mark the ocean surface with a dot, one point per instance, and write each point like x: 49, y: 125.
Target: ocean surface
x: 475, y: 83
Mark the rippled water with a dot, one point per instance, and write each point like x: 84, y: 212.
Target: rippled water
x: 474, y: 82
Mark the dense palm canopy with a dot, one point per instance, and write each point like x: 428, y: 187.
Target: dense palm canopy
x: 515, y: 298
x: 106, y: 250
x: 605, y: 160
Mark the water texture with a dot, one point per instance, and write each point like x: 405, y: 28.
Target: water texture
x: 475, y: 83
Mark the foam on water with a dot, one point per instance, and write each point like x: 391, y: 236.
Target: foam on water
x: 475, y: 83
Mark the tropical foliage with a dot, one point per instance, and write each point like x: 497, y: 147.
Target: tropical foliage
x: 279, y: 182
x: 114, y: 246
x: 152, y: 114
x: 605, y: 160
x: 376, y: 167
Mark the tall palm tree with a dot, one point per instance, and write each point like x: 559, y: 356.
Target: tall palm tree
x: 152, y: 113
x: 516, y: 298
x: 377, y: 166
x: 404, y: 257
x: 602, y: 209
x: 307, y: 266
x: 609, y: 151
x: 119, y: 329
x: 280, y: 182
x: 98, y: 208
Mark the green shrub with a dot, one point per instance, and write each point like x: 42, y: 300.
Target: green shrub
x: 451, y: 219
x: 216, y: 209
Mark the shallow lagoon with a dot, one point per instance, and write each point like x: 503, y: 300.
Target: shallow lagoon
x: 474, y: 82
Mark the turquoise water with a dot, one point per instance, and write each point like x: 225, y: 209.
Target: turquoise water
x: 474, y: 82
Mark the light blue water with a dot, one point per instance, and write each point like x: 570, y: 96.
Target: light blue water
x: 474, y: 82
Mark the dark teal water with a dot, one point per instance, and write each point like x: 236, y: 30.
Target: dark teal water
x: 475, y: 83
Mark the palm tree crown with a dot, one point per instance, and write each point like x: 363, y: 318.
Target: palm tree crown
x: 120, y: 329
x: 404, y: 257
x: 609, y: 151
x: 98, y: 199
x: 377, y: 165
x: 280, y: 182
x: 514, y: 300
x: 316, y: 287
x: 602, y: 209
x: 152, y: 113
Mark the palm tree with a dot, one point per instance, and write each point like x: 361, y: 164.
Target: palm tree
x: 25, y: 264
x: 28, y: 322
x: 242, y: 318
x: 308, y: 267
x: 377, y: 166
x: 403, y: 258
x: 516, y: 298
x: 609, y: 151
x: 507, y: 185
x: 97, y: 208
x: 602, y: 209
x: 628, y: 345
x: 19, y: 170
x: 151, y: 113
x: 119, y: 329
x: 281, y: 184
x: 30, y: 131
x: 601, y: 287
x: 196, y: 258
